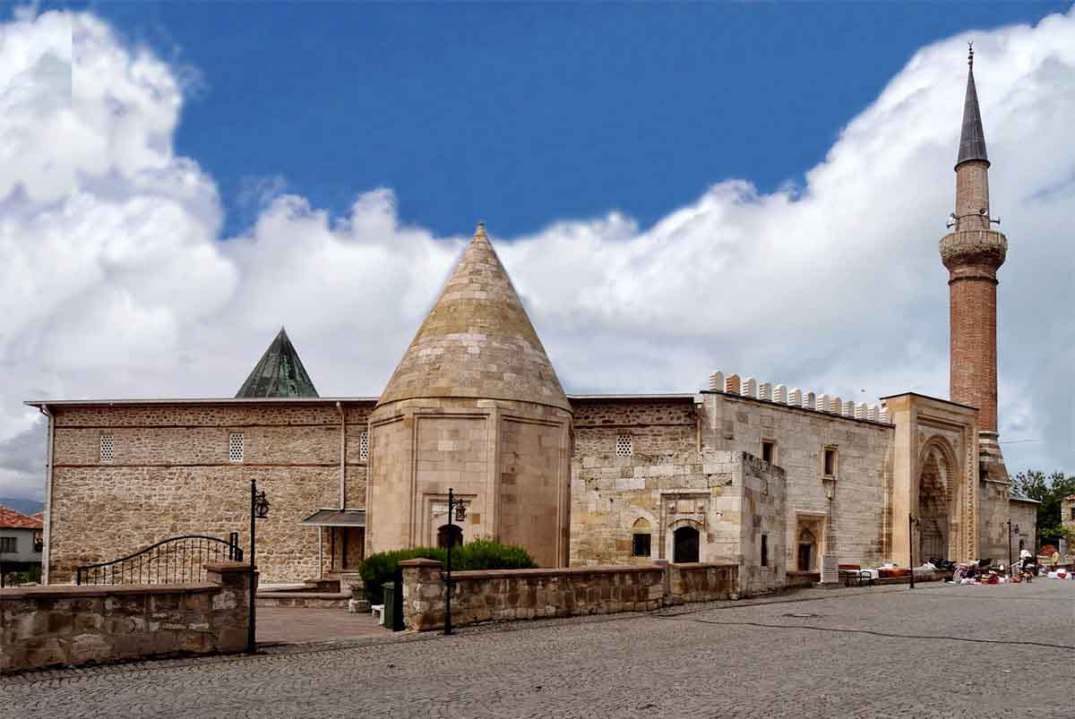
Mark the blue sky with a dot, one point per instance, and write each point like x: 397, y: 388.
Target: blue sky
x: 632, y: 162
x: 525, y: 114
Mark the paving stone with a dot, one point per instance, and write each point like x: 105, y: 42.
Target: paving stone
x: 936, y: 651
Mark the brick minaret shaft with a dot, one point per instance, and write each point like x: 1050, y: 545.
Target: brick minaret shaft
x: 973, y: 252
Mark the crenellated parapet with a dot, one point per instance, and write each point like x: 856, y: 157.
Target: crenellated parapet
x: 780, y: 394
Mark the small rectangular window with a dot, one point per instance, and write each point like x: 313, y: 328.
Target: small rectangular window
x: 768, y: 450
x: 765, y: 550
x: 1073, y: 512
x: 830, y: 462
x: 641, y: 546
x: 624, y: 446
x: 9, y: 545
x: 108, y: 448
x: 236, y: 447
x: 364, y: 446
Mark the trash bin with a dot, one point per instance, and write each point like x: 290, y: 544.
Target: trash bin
x: 393, y: 606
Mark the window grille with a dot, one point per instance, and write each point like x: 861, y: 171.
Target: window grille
x: 236, y: 447
x: 624, y: 446
x: 108, y: 448
x: 364, y: 446
x: 9, y: 545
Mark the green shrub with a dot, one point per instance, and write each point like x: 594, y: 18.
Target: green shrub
x: 381, y: 567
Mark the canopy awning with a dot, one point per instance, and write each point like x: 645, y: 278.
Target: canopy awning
x: 336, y: 518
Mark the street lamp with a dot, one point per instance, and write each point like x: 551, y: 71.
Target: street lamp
x: 911, y: 522
x: 456, y: 511
x: 259, y: 509
x: 1016, y: 528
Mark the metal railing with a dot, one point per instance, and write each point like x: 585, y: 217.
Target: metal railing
x: 174, y: 560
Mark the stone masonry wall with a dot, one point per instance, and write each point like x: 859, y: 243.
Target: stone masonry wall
x: 170, y: 475
x: 502, y: 595
x: 610, y: 493
x: 506, y: 462
x: 858, y: 510
x: 702, y: 582
x: 50, y: 626
x: 1024, y: 516
x: 666, y: 482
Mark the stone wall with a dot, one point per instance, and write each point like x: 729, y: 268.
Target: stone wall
x: 993, y: 499
x: 1024, y: 515
x: 170, y: 474
x: 506, y: 461
x: 1067, y: 518
x: 72, y: 626
x: 614, y: 494
x: 667, y: 482
x: 510, y: 594
x: 852, y: 525
x: 702, y: 582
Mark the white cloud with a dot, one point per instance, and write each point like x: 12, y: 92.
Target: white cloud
x: 117, y: 281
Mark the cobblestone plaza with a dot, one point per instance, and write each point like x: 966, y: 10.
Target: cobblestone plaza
x: 939, y: 650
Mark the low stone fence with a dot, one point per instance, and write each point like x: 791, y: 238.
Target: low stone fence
x: 71, y: 625
x: 508, y: 594
x: 702, y: 582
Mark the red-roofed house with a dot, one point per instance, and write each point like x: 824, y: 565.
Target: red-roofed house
x: 20, y: 541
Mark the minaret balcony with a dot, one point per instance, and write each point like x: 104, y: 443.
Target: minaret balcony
x: 966, y: 249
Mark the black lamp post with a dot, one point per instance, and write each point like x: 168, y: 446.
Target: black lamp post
x: 456, y: 510
x: 911, y: 522
x: 259, y: 509
x: 1010, y: 546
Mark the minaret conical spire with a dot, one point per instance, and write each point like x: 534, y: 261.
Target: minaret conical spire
x: 972, y: 137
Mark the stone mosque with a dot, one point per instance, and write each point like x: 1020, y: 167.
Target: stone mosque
x: 782, y: 481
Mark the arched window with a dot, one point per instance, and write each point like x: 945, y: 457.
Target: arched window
x: 449, y: 534
x: 685, y: 549
x: 642, y: 538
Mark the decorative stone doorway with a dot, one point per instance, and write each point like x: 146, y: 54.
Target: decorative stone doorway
x: 806, y: 559
x: 685, y: 547
x: 933, y: 506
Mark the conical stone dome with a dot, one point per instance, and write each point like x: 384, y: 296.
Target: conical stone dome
x: 477, y: 341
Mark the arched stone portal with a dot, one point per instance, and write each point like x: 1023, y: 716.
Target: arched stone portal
x: 935, y: 505
x: 449, y: 535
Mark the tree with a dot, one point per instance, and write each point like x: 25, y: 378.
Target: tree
x: 1050, y: 491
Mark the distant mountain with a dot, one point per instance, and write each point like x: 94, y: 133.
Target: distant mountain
x: 25, y: 506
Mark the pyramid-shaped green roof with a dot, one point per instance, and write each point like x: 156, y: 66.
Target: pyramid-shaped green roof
x: 279, y: 373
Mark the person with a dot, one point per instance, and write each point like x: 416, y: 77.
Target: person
x: 1054, y: 559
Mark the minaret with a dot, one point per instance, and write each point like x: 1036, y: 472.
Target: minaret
x: 972, y: 253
